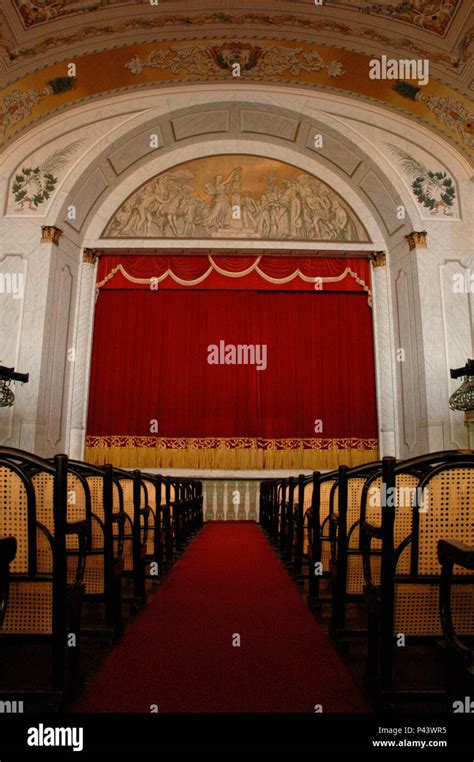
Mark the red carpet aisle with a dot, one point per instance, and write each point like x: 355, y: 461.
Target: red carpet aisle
x: 178, y: 654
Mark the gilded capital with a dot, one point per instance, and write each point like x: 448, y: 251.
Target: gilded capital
x: 378, y: 258
x: 50, y: 234
x: 417, y: 239
x: 90, y: 256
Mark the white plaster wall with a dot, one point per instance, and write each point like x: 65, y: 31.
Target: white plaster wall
x: 15, y: 268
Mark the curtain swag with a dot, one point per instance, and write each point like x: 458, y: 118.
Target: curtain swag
x: 257, y: 266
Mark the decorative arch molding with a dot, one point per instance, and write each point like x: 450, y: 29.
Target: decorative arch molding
x: 257, y: 128
x: 126, y: 125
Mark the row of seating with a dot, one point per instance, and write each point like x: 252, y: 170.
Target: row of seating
x: 72, y: 533
x: 395, y: 537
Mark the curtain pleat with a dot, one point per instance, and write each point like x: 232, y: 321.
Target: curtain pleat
x: 156, y: 401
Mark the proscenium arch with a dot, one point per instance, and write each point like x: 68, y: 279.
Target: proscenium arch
x: 177, y: 149
x: 93, y: 233
x: 301, y: 155
x: 263, y: 111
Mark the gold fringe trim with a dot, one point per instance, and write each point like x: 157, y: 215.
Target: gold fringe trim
x: 232, y: 458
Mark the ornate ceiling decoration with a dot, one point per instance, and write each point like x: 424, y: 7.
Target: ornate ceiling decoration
x: 37, y: 12
x: 297, y: 42
x: 434, y: 15
x: 438, y: 28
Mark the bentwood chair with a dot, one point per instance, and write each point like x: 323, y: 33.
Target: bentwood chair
x: 46, y: 587
x: 405, y: 600
x: 454, y: 555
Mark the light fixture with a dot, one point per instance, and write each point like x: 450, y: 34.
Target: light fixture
x: 463, y: 398
x: 7, y: 375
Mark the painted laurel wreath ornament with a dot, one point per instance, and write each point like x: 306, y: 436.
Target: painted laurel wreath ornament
x: 32, y: 188
x: 434, y: 190
x: 34, y: 185
x: 423, y: 184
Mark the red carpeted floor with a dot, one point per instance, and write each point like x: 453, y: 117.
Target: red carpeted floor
x: 178, y: 654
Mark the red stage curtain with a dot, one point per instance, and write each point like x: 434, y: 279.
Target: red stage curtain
x: 149, y: 363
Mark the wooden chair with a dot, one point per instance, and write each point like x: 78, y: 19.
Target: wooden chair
x: 185, y: 507
x: 287, y: 518
x: 302, y: 518
x: 319, y: 536
x: 273, y: 503
x: 167, y: 524
x: 198, y: 501
x: 265, y: 508
x: 180, y: 516
x: 459, y: 663
x: 104, y: 562
x: 155, y: 545
x: 405, y: 602
x: 346, y: 561
x: 358, y: 496
x: 178, y: 513
x: 46, y: 576
x: 7, y: 554
x: 130, y: 497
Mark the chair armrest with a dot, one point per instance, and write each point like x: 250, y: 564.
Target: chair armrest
x: 145, y: 512
x: 456, y: 552
x: 97, y: 518
x: 7, y: 554
x: 368, y: 533
x: 352, y: 530
x: 79, y: 528
x: 371, y: 530
x: 7, y: 549
x: 323, y: 524
x: 119, y: 518
x: 452, y: 552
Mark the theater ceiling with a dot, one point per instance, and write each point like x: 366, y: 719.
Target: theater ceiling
x: 119, y: 46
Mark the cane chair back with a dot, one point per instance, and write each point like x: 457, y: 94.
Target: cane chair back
x: 15, y: 517
x: 307, y: 504
x: 28, y: 511
x: 328, y: 494
x: 443, y: 509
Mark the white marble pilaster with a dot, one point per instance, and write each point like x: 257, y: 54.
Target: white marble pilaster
x: 29, y: 422
x: 384, y: 355
x: 84, y: 324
